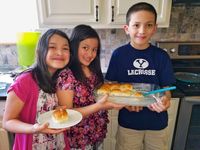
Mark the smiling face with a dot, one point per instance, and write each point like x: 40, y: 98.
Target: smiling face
x: 87, y: 51
x: 58, y: 54
x: 141, y: 27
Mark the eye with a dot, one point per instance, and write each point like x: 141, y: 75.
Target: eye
x: 51, y: 47
x: 136, y: 26
x: 150, y: 25
x: 85, y: 48
x: 66, y: 49
x: 95, y: 50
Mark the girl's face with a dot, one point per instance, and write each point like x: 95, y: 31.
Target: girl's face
x: 87, y: 51
x: 58, y: 54
x: 141, y: 28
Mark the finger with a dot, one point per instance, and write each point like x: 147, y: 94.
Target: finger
x: 158, y: 107
x: 129, y: 108
x: 151, y: 108
x: 38, y: 128
x: 103, y: 99
x: 154, y: 107
x: 137, y: 109
x: 54, y: 131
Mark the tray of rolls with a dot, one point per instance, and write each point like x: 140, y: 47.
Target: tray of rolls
x: 127, y: 93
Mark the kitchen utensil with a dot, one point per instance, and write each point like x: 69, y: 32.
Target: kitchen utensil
x: 159, y: 90
x: 156, y: 98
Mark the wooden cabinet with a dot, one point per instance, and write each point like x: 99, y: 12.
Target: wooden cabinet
x: 110, y: 141
x: 172, y: 114
x: 97, y: 13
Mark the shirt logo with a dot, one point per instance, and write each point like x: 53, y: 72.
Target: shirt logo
x: 140, y: 63
x: 141, y: 68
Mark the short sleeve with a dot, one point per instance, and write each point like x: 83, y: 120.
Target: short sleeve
x: 24, y: 87
x: 112, y: 72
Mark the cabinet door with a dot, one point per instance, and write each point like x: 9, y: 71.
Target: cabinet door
x: 67, y: 12
x: 172, y: 115
x: 120, y: 7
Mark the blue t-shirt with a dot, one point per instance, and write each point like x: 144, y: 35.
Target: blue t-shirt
x: 151, y: 65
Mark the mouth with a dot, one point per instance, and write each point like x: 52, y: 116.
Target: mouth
x: 140, y: 37
x: 58, y: 59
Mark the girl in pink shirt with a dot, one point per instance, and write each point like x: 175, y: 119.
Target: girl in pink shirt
x: 33, y: 93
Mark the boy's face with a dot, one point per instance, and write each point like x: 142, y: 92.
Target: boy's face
x: 141, y: 28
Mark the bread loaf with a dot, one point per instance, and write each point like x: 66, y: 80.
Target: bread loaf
x: 118, y: 89
x: 59, y: 115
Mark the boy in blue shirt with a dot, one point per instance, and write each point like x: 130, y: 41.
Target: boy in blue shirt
x: 140, y: 62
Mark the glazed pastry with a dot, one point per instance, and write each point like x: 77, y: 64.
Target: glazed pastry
x: 59, y: 115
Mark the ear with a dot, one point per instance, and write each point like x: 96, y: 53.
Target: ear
x: 155, y: 28
x: 126, y: 29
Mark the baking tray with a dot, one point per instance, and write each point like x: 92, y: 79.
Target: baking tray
x: 135, y: 101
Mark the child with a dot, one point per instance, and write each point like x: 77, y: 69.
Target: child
x: 33, y: 93
x: 76, y: 90
x: 140, y: 62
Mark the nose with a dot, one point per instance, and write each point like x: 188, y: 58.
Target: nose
x: 90, y: 53
x: 59, y: 52
x: 142, y: 30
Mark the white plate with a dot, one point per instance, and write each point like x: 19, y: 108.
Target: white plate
x: 74, y: 118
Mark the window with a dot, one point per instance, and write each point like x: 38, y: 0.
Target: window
x: 16, y: 16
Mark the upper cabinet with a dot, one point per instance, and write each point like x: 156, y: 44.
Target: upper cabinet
x: 97, y: 13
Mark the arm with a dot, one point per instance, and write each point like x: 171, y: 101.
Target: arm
x: 11, y: 120
x: 65, y: 97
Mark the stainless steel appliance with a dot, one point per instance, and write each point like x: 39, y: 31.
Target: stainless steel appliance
x: 185, y: 58
x: 5, y: 81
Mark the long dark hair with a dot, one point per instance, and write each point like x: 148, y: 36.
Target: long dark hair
x: 80, y: 33
x: 45, y: 81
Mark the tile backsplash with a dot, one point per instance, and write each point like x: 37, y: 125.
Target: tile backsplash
x: 184, y: 26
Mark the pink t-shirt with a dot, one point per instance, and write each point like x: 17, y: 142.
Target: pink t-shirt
x: 28, y: 91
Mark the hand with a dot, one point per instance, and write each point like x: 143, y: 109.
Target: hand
x: 43, y: 128
x: 109, y: 105
x: 162, y: 105
x: 134, y: 108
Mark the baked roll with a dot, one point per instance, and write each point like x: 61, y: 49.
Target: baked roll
x: 138, y: 94
x: 118, y: 89
x: 126, y: 86
x: 59, y: 115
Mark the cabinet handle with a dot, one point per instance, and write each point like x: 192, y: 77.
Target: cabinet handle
x: 97, y: 13
x: 112, y: 19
